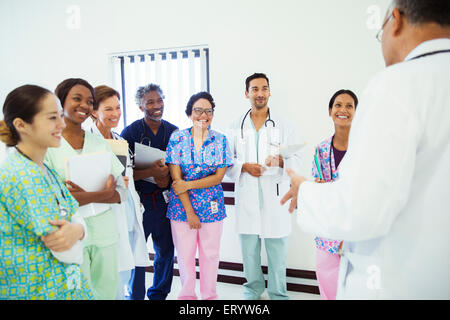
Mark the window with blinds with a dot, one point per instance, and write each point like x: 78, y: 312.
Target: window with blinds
x: 180, y: 72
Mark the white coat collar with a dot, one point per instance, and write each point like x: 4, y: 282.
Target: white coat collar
x: 429, y: 46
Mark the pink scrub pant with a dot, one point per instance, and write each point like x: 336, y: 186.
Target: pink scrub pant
x: 186, y: 240
x: 327, y: 271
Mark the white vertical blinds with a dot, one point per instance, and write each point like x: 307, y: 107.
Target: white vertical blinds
x: 180, y: 72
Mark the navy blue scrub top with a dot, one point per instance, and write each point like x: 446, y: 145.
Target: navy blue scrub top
x: 139, y: 132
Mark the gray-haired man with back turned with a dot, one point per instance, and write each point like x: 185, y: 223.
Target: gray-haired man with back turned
x: 390, y: 203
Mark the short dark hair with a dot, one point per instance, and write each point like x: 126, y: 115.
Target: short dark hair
x: 255, y: 76
x: 422, y: 11
x: 104, y: 92
x: 343, y: 91
x: 24, y: 103
x: 194, y: 98
x: 62, y: 90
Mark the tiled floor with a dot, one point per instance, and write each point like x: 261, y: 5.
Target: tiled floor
x: 226, y: 291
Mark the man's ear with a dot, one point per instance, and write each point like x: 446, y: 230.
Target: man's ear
x: 398, y: 22
x: 246, y: 94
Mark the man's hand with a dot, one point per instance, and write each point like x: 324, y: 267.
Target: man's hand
x: 162, y: 182
x: 65, y: 237
x: 296, y: 181
x: 275, y: 161
x: 254, y: 169
x: 159, y: 169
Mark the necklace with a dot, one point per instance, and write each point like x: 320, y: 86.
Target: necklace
x: 62, y: 210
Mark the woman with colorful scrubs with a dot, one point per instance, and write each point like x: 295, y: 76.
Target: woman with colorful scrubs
x: 328, y: 155
x: 132, y: 244
x: 36, y: 209
x: 197, y: 159
x: 100, y: 263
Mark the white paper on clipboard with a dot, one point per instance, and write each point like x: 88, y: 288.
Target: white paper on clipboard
x: 288, y: 151
x: 144, y: 155
x: 90, y: 171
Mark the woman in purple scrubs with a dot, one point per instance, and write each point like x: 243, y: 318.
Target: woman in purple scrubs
x: 327, y: 158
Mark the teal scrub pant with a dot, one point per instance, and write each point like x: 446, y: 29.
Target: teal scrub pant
x: 276, y: 249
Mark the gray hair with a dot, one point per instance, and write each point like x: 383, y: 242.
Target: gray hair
x: 422, y: 11
x: 142, y: 91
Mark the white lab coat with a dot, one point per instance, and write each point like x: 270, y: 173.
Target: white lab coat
x: 137, y: 253
x: 272, y: 220
x: 390, y: 202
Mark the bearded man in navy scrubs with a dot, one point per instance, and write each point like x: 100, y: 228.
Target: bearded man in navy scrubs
x: 152, y: 184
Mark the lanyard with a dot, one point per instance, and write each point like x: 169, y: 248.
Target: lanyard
x: 430, y: 54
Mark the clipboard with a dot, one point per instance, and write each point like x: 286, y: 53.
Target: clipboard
x: 316, y: 161
x: 144, y: 155
x: 120, y: 149
x: 289, y: 150
x: 90, y: 171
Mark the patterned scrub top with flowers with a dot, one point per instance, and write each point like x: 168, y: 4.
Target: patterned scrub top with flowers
x: 28, y: 270
x: 329, y: 174
x: 208, y: 203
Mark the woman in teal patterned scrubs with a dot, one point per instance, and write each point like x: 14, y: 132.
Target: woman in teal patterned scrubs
x: 36, y: 208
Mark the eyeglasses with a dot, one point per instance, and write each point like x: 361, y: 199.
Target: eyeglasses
x: 391, y: 10
x: 380, y: 32
x: 199, y: 111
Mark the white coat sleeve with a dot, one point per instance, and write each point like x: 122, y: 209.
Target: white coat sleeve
x: 376, y: 173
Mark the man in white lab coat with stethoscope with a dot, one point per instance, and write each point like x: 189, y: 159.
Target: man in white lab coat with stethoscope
x: 390, y: 204
x: 256, y: 139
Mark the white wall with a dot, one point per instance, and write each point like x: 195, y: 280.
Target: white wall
x: 309, y: 49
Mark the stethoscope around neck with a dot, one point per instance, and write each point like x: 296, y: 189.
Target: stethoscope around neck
x: 269, y: 120
x: 146, y: 137
x: 62, y: 210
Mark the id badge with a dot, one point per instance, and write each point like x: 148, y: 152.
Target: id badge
x: 165, y: 194
x: 214, y: 207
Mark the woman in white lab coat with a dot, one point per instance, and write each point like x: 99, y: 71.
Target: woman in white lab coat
x: 132, y: 245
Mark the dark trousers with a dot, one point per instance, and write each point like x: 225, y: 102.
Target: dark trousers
x: 156, y: 224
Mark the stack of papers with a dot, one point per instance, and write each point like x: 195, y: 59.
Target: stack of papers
x: 90, y: 171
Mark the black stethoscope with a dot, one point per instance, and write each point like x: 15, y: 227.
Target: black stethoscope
x: 269, y: 120
x: 430, y: 54
x: 144, y: 136
x: 265, y: 122
x: 62, y: 210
